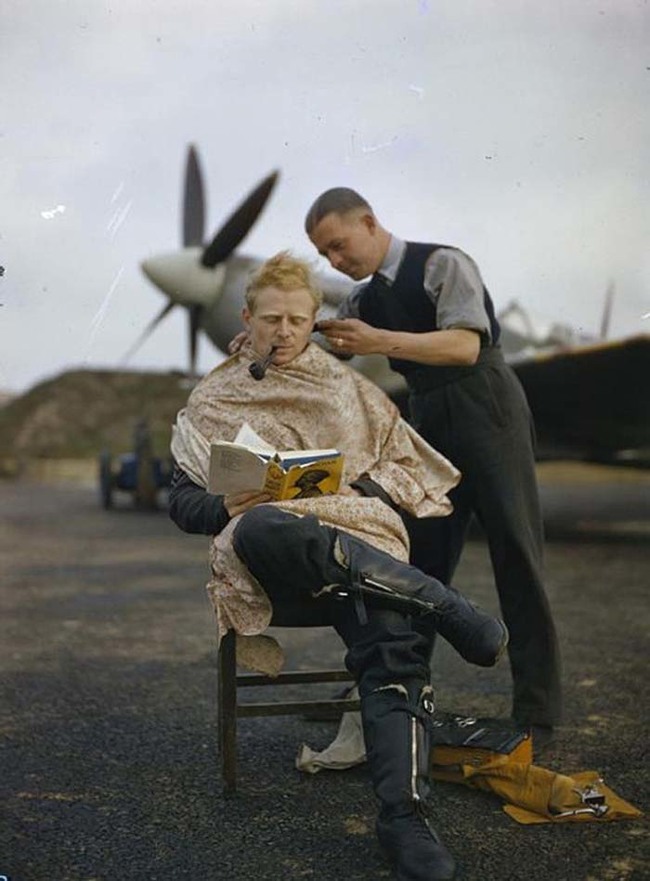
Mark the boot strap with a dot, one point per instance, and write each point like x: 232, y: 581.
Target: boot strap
x: 357, y: 593
x: 423, y: 710
x: 348, y: 562
x: 377, y: 588
x: 363, y: 586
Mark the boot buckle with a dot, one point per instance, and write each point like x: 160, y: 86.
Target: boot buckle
x: 336, y: 591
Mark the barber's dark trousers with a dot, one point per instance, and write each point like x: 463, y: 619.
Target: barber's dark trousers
x: 288, y: 556
x: 482, y: 424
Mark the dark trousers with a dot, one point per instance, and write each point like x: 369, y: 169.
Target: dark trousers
x: 483, y: 425
x: 291, y: 557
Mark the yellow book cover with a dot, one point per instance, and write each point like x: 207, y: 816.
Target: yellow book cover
x: 306, y: 479
x: 288, y: 474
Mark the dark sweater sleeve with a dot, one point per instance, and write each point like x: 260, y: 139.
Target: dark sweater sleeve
x: 194, y: 509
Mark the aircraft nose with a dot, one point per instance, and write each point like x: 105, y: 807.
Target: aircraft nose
x: 182, y: 278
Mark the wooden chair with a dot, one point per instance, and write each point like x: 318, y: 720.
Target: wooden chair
x: 229, y: 681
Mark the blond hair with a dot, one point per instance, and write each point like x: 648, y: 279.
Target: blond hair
x: 286, y: 273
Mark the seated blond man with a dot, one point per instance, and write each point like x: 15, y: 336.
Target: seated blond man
x: 347, y: 552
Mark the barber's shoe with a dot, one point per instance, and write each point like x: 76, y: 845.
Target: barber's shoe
x: 543, y: 740
x: 479, y: 638
x: 414, y: 848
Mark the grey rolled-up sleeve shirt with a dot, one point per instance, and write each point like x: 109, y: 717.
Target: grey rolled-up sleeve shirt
x: 451, y: 280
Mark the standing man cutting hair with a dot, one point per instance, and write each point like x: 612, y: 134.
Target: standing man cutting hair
x: 426, y: 308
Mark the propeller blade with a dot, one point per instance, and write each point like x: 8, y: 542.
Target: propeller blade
x: 145, y: 333
x: 238, y: 224
x: 193, y: 201
x: 195, y: 322
x: 607, y: 311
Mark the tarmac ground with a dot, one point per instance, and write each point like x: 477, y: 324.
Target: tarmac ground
x: 108, y: 715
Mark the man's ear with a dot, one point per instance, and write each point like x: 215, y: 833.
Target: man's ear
x: 369, y: 220
x: 245, y: 316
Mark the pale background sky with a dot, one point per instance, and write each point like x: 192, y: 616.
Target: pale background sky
x: 518, y: 131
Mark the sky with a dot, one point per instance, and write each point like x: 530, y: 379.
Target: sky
x: 515, y: 130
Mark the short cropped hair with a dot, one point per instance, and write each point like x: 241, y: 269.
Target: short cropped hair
x: 338, y: 200
x: 286, y: 273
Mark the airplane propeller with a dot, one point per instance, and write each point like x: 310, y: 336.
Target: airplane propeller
x: 148, y: 330
x: 607, y: 311
x: 195, y: 315
x: 189, y: 278
x: 238, y: 224
x: 193, y: 201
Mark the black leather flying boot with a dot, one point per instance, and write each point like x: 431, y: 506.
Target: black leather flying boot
x: 365, y: 572
x: 396, y: 731
x: 298, y: 554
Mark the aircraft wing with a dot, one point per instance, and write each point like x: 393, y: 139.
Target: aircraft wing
x: 591, y: 402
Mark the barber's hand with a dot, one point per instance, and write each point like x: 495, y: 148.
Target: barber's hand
x: 237, y: 503
x: 237, y: 342
x: 350, y: 336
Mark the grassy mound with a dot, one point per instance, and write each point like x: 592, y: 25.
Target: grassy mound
x: 81, y: 412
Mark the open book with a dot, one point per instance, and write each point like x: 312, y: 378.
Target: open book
x: 287, y: 474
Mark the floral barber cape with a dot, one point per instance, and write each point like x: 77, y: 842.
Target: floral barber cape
x: 313, y: 402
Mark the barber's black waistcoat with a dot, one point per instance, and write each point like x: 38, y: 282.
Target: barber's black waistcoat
x: 406, y: 306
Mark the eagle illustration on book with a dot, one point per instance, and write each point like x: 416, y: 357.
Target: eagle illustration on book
x: 308, y: 482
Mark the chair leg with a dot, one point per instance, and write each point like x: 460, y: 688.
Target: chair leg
x: 227, y: 709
